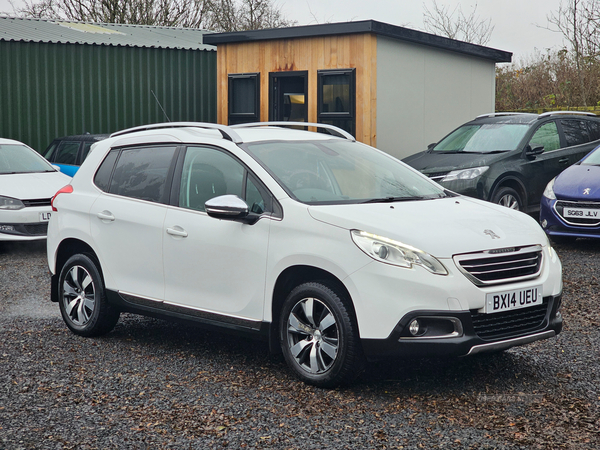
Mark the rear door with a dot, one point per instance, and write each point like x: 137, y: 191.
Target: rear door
x: 542, y: 168
x: 127, y: 218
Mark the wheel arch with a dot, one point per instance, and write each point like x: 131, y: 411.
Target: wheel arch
x: 294, y: 276
x: 65, y: 250
x: 511, y: 181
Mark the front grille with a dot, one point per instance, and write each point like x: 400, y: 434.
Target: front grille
x: 509, y: 323
x: 37, y: 202
x: 38, y: 229
x: 437, y: 176
x: 28, y: 229
x: 501, y: 265
x: 560, y: 206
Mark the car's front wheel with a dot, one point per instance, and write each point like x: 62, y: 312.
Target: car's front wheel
x: 82, y: 298
x: 319, y: 336
x: 507, y: 196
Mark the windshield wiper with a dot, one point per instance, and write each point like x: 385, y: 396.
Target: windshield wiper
x: 394, y: 199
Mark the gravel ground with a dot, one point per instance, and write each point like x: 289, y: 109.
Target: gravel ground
x: 155, y: 384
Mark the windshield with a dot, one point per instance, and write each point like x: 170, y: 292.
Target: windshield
x: 593, y: 159
x: 341, y: 171
x: 485, y: 138
x: 15, y: 158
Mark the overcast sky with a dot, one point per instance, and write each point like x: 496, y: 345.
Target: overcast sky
x: 519, y: 24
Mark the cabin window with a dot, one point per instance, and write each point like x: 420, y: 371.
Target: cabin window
x: 337, y: 98
x: 244, y: 98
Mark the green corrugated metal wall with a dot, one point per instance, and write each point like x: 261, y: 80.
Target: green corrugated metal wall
x: 52, y: 90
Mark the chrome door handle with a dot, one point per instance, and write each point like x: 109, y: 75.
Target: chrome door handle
x: 177, y: 231
x: 563, y: 160
x: 105, y: 215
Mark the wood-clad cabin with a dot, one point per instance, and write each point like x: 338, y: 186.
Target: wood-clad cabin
x: 392, y: 87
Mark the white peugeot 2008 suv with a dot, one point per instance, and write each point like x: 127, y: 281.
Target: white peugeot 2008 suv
x: 335, y: 252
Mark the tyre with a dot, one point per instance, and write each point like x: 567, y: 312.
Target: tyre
x: 319, y: 336
x: 82, y: 299
x: 507, y: 196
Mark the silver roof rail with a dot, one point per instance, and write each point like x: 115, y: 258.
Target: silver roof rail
x: 225, y: 131
x: 333, y: 130
x: 581, y: 113
x: 501, y: 114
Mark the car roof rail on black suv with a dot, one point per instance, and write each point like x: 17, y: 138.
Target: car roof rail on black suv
x: 498, y: 114
x: 581, y: 113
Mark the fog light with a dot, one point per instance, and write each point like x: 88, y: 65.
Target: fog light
x: 7, y: 228
x: 544, y: 223
x: 414, y: 327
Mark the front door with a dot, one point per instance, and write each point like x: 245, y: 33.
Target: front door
x: 288, y: 96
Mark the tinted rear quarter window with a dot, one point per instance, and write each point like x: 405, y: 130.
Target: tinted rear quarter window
x: 102, y: 177
x: 594, y: 130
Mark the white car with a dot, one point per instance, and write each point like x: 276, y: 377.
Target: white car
x: 27, y: 183
x: 335, y: 252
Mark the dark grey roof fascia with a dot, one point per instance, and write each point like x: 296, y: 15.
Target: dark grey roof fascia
x: 363, y: 26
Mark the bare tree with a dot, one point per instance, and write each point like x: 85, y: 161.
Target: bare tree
x: 579, y: 23
x: 216, y: 15
x: 454, y: 24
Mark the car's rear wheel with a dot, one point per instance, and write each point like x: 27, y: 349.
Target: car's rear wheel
x: 507, y: 196
x: 82, y: 298
x: 319, y: 336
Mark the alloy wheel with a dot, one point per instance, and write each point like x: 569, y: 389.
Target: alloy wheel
x: 312, y: 335
x: 79, y: 295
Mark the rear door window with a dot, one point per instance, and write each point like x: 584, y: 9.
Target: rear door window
x: 575, y: 131
x: 142, y: 173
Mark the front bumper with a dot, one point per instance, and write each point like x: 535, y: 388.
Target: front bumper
x: 29, y: 223
x: 479, y: 333
x: 554, y: 225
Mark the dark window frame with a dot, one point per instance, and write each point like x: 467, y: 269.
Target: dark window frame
x: 273, y: 94
x: 238, y: 118
x: 323, y: 116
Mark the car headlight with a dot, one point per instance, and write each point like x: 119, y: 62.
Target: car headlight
x: 549, y: 191
x: 10, y: 203
x: 396, y: 253
x: 465, y: 174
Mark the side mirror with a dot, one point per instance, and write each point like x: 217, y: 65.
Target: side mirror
x: 56, y: 167
x: 531, y: 153
x: 230, y: 207
x: 430, y: 146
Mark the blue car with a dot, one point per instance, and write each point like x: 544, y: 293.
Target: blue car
x: 570, y: 206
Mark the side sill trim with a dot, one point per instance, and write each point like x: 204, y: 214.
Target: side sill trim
x: 502, y: 345
x: 190, y: 313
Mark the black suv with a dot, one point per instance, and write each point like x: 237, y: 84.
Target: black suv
x: 68, y: 152
x: 509, y: 158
